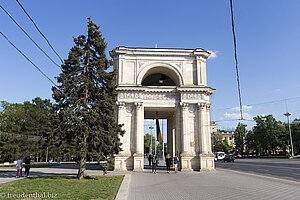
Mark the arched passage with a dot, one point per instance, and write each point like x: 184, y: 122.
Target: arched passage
x: 163, y: 74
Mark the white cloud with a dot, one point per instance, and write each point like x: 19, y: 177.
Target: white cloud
x: 213, y: 54
x: 246, y: 108
x: 237, y: 115
x: 278, y: 90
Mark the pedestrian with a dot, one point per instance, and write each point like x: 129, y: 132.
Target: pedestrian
x: 150, y: 159
x: 19, y: 166
x: 27, y: 165
x: 175, y: 163
x: 154, y: 163
x: 168, y: 162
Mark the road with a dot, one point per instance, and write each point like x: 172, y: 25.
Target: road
x: 280, y: 168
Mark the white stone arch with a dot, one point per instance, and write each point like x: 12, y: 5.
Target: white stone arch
x: 160, y: 67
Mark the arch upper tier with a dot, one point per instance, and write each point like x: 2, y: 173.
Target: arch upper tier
x: 144, y: 66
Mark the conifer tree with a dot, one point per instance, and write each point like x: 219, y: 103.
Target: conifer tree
x: 86, y: 99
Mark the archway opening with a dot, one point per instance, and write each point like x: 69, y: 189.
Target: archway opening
x: 158, y: 80
x: 166, y: 118
x: 161, y: 76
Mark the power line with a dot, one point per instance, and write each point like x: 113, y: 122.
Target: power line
x: 28, y: 59
x: 233, y: 120
x: 29, y: 37
x: 236, y: 61
x: 39, y: 31
x: 262, y: 103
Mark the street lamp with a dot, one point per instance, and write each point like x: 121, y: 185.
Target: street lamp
x: 151, y: 128
x: 287, y: 114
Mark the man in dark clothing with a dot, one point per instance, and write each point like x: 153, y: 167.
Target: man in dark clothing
x: 27, y: 166
x: 168, y: 162
x: 150, y: 159
x: 154, y: 163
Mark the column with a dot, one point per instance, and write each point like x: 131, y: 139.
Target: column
x: 208, y: 129
x: 186, y: 158
x: 120, y: 159
x: 121, y: 108
x: 139, y: 130
x: 139, y: 134
x: 202, y: 128
x: 169, y: 137
x: 184, y: 124
x: 206, y: 159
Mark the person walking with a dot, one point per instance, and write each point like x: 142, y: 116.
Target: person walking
x: 19, y: 166
x: 27, y: 166
x: 168, y: 162
x: 176, y: 163
x: 154, y: 163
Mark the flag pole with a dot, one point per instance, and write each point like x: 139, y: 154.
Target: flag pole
x: 162, y: 134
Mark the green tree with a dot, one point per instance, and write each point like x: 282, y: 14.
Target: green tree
x: 147, y: 142
x: 269, y: 134
x: 86, y: 98
x: 26, y: 129
x: 217, y: 142
x: 295, y: 128
x: 220, y: 144
x: 239, y: 138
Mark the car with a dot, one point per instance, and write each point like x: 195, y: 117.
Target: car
x: 219, y: 156
x: 228, y: 158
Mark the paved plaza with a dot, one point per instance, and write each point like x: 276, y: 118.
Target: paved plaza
x: 221, y: 184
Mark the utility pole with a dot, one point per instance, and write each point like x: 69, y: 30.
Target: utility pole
x: 287, y: 114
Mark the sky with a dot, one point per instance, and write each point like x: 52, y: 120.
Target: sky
x: 267, y: 33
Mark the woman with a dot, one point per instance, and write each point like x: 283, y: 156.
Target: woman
x: 168, y: 162
x: 154, y: 163
x: 19, y: 166
x: 176, y: 164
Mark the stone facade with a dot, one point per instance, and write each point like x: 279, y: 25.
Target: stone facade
x: 185, y: 104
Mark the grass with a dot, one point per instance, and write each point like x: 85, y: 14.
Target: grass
x: 102, y: 187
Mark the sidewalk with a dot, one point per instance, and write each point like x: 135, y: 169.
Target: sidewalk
x: 222, y: 184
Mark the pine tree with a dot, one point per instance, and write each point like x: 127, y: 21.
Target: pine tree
x: 86, y: 99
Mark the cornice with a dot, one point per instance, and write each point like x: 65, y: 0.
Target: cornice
x: 201, y: 89
x: 198, y: 52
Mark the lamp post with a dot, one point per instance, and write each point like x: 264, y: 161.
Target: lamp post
x: 287, y: 114
x: 151, y: 128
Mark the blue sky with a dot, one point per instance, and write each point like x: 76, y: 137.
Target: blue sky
x: 267, y: 37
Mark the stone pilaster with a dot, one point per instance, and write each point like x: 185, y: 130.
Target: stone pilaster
x: 184, y: 124
x: 206, y: 158
x: 139, y: 133
x: 202, y: 128
x: 208, y: 128
x: 121, y: 109
x: 120, y: 159
x: 186, y: 158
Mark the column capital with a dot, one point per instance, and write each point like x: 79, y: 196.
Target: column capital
x: 120, y: 104
x: 201, y: 105
x: 208, y: 105
x: 138, y: 105
x: 184, y: 105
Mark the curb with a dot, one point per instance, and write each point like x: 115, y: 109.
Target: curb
x: 124, y: 188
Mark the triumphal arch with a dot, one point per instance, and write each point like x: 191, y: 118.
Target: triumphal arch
x: 170, y: 83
